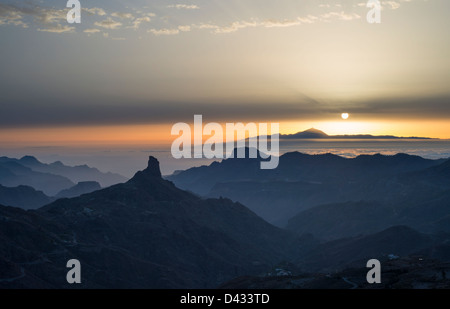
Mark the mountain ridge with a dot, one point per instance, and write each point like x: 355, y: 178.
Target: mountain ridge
x: 80, y: 188
x: 24, y: 197
x: 300, y: 181
x: 313, y: 133
x: 145, y: 233
x: 75, y: 174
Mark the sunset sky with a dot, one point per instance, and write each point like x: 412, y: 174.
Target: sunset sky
x: 132, y: 69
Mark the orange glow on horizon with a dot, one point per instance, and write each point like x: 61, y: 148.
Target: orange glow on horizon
x: 88, y: 135
x: 403, y: 128
x: 127, y: 135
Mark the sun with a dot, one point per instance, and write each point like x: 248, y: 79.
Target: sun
x: 345, y: 116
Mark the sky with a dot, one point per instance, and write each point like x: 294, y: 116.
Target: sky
x: 130, y: 70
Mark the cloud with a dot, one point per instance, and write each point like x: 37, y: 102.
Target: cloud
x: 92, y: 30
x: 10, y: 15
x: 275, y: 23
x: 184, y: 28
x: 108, y: 24
x: 146, y: 18
x: 392, y: 4
x: 164, y: 31
x: 385, y: 4
x: 123, y: 15
x: 206, y: 26
x: 54, y: 20
x: 310, y: 19
x: 340, y: 15
x: 184, y: 6
x: 58, y: 29
x: 413, y: 108
x: 15, y: 15
x: 94, y: 11
x: 49, y: 18
x: 269, y: 23
x: 237, y: 25
x: 50, y: 113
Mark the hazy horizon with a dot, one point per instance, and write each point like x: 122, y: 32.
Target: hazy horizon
x: 132, y: 158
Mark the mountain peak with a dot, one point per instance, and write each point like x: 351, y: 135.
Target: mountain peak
x: 29, y: 160
x: 152, y: 167
x: 310, y: 133
x: 313, y: 130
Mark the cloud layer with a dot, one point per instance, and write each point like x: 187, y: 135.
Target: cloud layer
x: 51, y: 114
x: 171, y: 20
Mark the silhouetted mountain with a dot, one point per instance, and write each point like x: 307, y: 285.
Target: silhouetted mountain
x: 311, y: 133
x: 75, y: 174
x: 79, y: 189
x: 429, y: 214
x: 317, y: 134
x: 24, y: 197
x: 334, y: 221
x: 14, y: 174
x: 145, y: 233
x: 418, y: 199
x: 443, y: 170
x: 438, y: 175
x: 302, y: 181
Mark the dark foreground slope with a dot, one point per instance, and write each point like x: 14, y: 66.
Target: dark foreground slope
x: 409, y: 259
x: 144, y: 233
x: 411, y: 272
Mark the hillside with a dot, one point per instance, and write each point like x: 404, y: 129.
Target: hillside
x: 74, y: 173
x: 79, y: 189
x: 145, y: 233
x: 13, y: 174
x: 24, y: 197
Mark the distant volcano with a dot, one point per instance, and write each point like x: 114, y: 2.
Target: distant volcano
x: 316, y: 134
x: 310, y: 133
